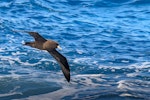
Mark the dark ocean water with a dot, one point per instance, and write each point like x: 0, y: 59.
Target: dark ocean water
x: 106, y: 42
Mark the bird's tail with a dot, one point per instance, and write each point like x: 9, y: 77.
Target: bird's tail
x: 32, y: 44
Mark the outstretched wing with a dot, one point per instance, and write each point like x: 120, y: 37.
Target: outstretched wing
x: 63, y: 63
x: 37, y: 36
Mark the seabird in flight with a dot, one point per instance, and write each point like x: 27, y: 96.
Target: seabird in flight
x: 50, y: 46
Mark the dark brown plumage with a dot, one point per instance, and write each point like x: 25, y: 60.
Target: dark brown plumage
x: 49, y: 45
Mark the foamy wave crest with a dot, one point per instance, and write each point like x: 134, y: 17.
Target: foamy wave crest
x: 134, y: 88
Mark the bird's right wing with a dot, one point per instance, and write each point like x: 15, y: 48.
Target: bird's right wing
x: 37, y: 36
x: 63, y: 63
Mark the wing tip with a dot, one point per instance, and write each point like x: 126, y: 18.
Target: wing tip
x: 68, y: 78
x: 67, y: 75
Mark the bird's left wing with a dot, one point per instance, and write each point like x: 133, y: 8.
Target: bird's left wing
x: 63, y: 63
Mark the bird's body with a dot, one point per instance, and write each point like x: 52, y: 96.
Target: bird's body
x: 46, y: 45
x: 50, y: 46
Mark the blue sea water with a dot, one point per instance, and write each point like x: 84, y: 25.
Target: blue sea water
x: 106, y: 42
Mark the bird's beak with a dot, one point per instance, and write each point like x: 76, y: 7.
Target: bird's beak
x: 59, y: 47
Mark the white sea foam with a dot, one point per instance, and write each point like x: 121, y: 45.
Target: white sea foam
x: 125, y: 61
x: 29, y: 64
x: 73, y: 88
x: 90, y: 75
x: 9, y: 59
x: 19, y: 53
x: 79, y: 60
x: 14, y: 59
x: 134, y: 85
x: 132, y: 74
x: 126, y: 95
x: 121, y: 84
x: 21, y: 2
x: 79, y: 51
x: 56, y: 95
x: 10, y: 94
x: 134, y: 88
x: 49, y: 60
x: 13, y: 74
x: 79, y: 82
x: 132, y: 66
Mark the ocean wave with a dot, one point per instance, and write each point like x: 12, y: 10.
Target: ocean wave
x: 105, y: 3
x: 89, y: 79
x: 49, y: 5
x: 126, y: 86
x: 92, y: 87
x: 141, y: 2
